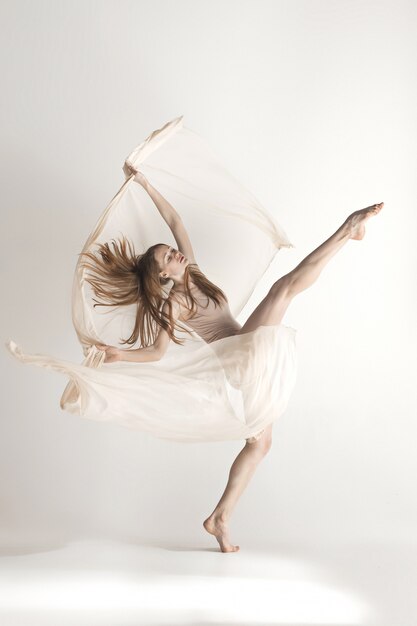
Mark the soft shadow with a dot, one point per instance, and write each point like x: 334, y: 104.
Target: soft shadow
x: 23, y: 548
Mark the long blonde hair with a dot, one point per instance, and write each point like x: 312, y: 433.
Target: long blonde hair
x: 121, y: 277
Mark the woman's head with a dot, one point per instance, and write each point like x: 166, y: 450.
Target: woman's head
x: 171, y: 262
x: 119, y: 277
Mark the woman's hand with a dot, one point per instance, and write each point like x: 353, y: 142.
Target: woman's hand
x: 112, y: 354
x: 131, y: 168
x: 141, y: 179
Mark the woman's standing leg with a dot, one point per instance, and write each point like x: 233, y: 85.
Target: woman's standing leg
x: 241, y: 472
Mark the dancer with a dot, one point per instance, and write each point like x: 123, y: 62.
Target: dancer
x: 203, y: 306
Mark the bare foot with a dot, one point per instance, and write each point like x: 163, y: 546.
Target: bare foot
x: 356, y: 221
x: 218, y: 528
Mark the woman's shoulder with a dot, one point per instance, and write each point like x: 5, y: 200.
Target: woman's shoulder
x: 183, y: 303
x: 177, y: 300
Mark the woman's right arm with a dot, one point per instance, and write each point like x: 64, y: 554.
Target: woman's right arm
x: 138, y: 355
x: 165, y: 208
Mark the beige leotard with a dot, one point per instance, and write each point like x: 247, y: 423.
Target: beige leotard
x: 211, y: 321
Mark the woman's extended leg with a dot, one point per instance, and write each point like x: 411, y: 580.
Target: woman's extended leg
x: 241, y: 472
x: 272, y: 308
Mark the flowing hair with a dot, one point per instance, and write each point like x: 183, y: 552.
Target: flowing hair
x: 120, y: 277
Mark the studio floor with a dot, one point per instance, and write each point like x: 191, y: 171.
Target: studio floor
x: 92, y: 582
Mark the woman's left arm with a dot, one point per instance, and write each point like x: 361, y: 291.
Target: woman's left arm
x: 170, y: 215
x: 166, y: 209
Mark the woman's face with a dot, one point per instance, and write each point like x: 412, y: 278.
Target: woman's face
x: 172, y: 262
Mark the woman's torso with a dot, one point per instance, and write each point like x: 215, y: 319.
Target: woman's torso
x: 211, y: 321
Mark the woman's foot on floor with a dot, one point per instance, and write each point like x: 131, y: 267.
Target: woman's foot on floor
x: 218, y: 528
x: 357, y: 220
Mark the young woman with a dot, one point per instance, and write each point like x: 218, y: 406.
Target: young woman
x: 120, y: 277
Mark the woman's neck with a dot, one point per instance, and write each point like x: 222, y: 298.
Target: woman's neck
x: 180, y: 288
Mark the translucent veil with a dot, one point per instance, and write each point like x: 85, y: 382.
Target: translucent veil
x: 229, y: 389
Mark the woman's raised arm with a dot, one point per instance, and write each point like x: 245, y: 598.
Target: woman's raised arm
x: 170, y: 215
x: 166, y: 209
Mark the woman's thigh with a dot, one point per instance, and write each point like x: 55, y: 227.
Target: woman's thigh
x: 271, y: 309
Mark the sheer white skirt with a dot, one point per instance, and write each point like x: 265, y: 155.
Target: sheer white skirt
x: 231, y: 388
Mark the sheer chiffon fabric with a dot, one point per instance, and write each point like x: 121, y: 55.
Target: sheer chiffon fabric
x: 231, y: 388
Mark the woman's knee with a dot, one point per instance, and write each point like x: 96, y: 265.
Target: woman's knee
x: 281, y: 288
x: 266, y: 442
x: 262, y: 445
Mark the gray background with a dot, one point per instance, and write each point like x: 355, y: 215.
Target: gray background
x: 312, y: 106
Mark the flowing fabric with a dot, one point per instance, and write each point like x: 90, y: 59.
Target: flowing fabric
x: 229, y: 389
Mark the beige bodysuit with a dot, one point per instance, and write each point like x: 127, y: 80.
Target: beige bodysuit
x: 211, y: 322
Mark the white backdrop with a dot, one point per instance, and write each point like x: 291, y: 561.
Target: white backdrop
x: 312, y: 106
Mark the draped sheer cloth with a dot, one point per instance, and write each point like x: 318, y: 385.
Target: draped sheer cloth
x: 218, y: 385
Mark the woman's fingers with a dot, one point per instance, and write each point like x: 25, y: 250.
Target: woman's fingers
x: 132, y: 168
x: 112, y: 353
